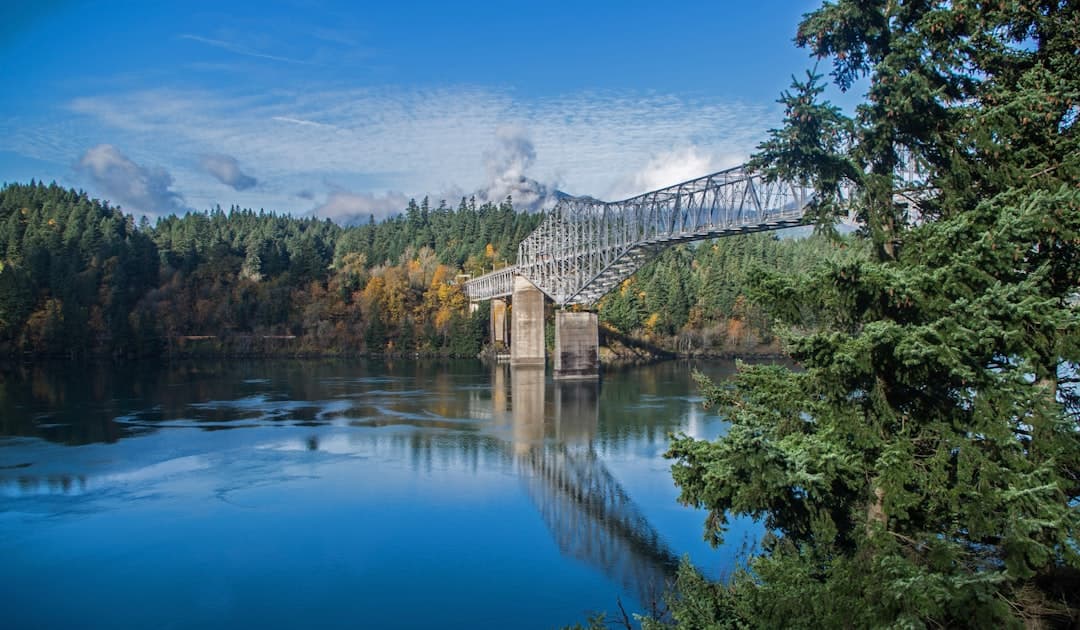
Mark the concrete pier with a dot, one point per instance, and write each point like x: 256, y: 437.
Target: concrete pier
x: 577, y: 346
x: 527, y: 324
x: 499, y: 325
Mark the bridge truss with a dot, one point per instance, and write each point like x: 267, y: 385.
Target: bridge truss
x: 585, y: 247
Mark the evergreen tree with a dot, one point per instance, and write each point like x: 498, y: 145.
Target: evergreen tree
x: 375, y: 335
x: 622, y: 308
x: 923, y: 468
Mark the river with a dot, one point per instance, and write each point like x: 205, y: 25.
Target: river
x: 414, y: 494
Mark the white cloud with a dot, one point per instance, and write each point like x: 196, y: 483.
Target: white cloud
x: 226, y: 170
x: 669, y: 168
x: 348, y: 207
x: 376, y: 140
x: 137, y: 188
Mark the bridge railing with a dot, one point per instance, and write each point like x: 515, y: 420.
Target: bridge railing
x: 496, y: 284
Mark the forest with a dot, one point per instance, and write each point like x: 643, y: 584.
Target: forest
x: 79, y: 278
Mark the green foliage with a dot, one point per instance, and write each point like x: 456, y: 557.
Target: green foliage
x: 77, y: 278
x: 71, y: 272
x: 455, y: 235
x: 809, y: 148
x: 623, y: 308
x: 922, y: 468
x: 695, y: 602
x: 254, y: 280
x: 698, y: 298
x: 467, y: 334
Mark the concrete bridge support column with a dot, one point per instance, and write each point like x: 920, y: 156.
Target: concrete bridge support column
x: 527, y: 324
x: 577, y: 346
x: 499, y: 328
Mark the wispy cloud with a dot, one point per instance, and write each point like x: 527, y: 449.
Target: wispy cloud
x: 419, y: 141
x: 349, y: 207
x: 226, y: 170
x: 137, y: 188
x: 300, y: 121
x: 234, y: 47
x: 668, y: 168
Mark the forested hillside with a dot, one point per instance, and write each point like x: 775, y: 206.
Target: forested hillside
x: 79, y: 278
x: 701, y: 299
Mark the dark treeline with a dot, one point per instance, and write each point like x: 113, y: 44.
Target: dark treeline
x: 80, y: 278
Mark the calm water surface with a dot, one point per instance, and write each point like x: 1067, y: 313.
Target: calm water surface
x: 342, y: 494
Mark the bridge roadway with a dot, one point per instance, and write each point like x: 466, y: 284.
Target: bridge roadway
x: 585, y: 247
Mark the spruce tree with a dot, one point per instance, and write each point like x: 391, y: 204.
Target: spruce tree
x: 922, y: 468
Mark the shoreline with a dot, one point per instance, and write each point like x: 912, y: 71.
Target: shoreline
x: 608, y: 357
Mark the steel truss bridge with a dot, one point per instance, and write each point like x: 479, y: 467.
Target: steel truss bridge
x: 584, y: 247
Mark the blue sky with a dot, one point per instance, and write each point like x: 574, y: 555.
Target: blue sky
x: 345, y: 109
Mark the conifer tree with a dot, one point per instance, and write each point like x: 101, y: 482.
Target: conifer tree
x: 923, y: 467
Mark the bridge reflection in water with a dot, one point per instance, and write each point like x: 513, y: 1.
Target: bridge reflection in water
x: 589, y: 514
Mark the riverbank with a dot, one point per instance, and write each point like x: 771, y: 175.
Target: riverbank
x: 619, y: 349
x: 615, y: 349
